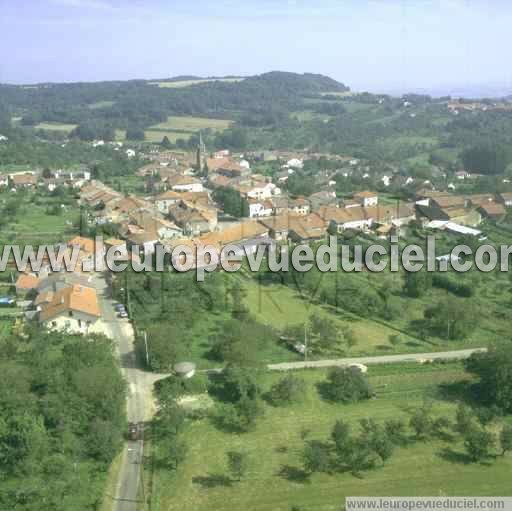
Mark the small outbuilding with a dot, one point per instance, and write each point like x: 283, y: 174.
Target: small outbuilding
x: 359, y: 368
x: 185, y: 369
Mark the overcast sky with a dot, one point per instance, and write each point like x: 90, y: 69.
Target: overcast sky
x: 386, y: 45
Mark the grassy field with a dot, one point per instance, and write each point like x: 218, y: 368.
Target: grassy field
x: 275, y: 482
x: 187, y: 83
x: 280, y: 306
x: 192, y: 124
x: 36, y: 222
x: 5, y: 326
x: 101, y: 104
x: 340, y: 94
x: 55, y: 126
x: 180, y: 128
x: 33, y: 222
x: 308, y: 115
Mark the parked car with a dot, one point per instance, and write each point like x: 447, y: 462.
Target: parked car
x: 133, y: 431
x: 119, y: 307
x: 7, y: 301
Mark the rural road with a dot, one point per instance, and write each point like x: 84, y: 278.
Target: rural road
x: 381, y: 359
x: 140, y: 404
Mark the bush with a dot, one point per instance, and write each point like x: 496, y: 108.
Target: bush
x: 457, y: 288
x: 346, y: 385
x: 288, y: 390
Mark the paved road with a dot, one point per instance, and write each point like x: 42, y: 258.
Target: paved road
x: 122, y: 333
x: 381, y: 359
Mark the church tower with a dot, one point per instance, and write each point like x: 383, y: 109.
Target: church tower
x: 201, y: 155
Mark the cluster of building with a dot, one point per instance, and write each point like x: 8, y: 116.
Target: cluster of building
x: 63, y: 300
x: 31, y: 180
x: 181, y: 210
x: 462, y: 209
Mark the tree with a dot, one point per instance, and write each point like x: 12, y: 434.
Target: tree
x: 235, y: 383
x: 394, y: 339
x: 506, y: 439
x: 342, y: 439
x: 450, y: 318
x: 416, y: 284
x: 238, y: 463
x: 396, y: 430
x: 348, y: 385
x: 478, y: 442
x: 377, y: 439
x: 172, y: 451
x: 135, y: 133
x: 494, y: 368
x: 422, y: 422
x: 231, y: 202
x: 166, y: 143
x: 464, y: 419
x: 485, y: 158
x: 289, y: 389
x: 316, y: 457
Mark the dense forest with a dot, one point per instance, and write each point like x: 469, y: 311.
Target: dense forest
x: 62, y: 417
x: 123, y: 105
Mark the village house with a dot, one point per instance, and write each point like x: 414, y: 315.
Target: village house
x: 506, y: 199
x: 26, y: 284
x: 493, y: 211
x: 340, y: 219
x: 148, y: 221
x: 166, y: 199
x: 366, y: 199
x: 23, y: 180
x: 295, y: 163
x: 247, y: 235
x: 192, y: 220
x: 260, y: 208
x: 448, y: 201
x: 306, y: 228
x: 279, y: 204
x: 480, y: 199
x: 300, y: 206
x: 74, y: 308
x: 182, y: 183
x: 227, y: 167
x: 278, y: 226
x: 455, y: 214
x: 219, y: 181
x: 462, y: 174
x: 146, y: 241
x: 364, y: 219
x: 258, y: 190
x: 322, y: 198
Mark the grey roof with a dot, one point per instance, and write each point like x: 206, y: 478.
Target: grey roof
x: 184, y: 367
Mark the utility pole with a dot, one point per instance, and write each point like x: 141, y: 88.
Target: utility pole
x: 146, y: 346
x: 305, y: 340
x: 81, y: 221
